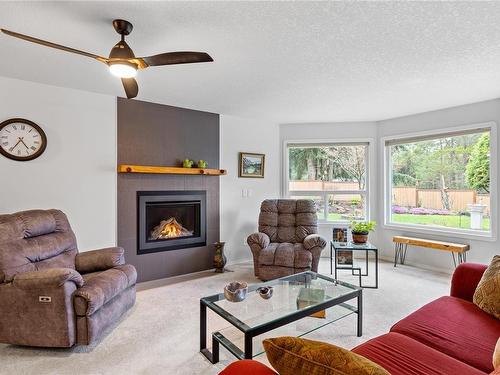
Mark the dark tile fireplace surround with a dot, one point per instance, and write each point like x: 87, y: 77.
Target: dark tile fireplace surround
x: 167, y: 224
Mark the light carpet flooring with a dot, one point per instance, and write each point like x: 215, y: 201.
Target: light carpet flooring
x: 160, y: 335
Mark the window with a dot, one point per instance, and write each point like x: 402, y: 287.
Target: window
x: 440, y: 181
x: 334, y: 175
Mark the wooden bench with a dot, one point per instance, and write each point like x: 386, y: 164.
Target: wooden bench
x: 401, y: 245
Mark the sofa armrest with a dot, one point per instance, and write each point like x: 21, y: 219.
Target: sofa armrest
x: 99, y: 260
x: 102, y: 288
x: 49, y: 278
x: 314, y: 240
x: 260, y: 239
x: 465, y: 279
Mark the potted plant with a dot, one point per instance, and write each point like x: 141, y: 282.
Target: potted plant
x: 360, y: 230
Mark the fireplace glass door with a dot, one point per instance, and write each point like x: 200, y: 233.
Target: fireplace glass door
x: 170, y: 220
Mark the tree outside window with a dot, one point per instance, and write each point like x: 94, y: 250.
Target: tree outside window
x: 334, y: 175
x: 441, y: 181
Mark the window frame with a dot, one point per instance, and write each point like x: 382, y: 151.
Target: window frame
x: 490, y: 235
x: 369, y: 156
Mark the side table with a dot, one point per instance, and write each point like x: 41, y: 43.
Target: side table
x: 355, y: 271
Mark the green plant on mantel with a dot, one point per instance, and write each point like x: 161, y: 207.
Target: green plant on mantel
x: 363, y: 227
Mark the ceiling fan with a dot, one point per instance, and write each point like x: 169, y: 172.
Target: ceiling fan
x: 122, y: 61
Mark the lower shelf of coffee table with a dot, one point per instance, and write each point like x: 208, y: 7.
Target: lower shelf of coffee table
x: 233, y: 339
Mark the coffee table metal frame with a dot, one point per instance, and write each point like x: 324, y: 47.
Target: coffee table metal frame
x: 355, y: 271
x: 250, y: 332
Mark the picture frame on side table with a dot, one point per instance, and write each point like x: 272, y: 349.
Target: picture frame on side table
x: 344, y: 257
x: 251, y: 165
x: 339, y: 234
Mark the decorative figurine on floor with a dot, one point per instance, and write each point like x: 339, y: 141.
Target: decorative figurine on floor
x: 220, y: 259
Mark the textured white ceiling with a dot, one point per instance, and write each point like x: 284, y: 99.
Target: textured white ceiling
x: 282, y: 61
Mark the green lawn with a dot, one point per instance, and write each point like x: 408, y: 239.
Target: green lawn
x: 451, y: 221
x: 334, y: 217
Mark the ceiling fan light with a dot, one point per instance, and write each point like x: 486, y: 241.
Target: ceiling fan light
x: 123, y: 70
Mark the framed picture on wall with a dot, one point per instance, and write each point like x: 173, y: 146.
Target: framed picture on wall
x: 251, y: 165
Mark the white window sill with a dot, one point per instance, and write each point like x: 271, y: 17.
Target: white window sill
x: 332, y: 223
x: 446, y: 232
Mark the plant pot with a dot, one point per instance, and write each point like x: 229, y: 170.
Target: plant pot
x: 360, y: 237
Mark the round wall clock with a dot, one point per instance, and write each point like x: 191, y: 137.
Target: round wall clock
x: 21, y: 139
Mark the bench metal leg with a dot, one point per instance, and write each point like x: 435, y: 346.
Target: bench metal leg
x: 400, y: 253
x: 462, y: 258
x: 397, y: 247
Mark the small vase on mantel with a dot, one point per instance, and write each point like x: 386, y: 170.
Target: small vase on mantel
x: 220, y: 259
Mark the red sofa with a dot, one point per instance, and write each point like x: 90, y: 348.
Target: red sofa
x: 450, y: 335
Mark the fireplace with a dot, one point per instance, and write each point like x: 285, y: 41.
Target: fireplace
x: 169, y: 220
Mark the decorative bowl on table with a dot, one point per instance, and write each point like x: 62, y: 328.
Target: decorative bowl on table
x: 265, y: 292
x: 236, y: 291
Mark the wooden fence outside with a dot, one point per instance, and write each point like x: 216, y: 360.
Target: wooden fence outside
x: 431, y: 198
x: 322, y: 185
x: 403, y: 196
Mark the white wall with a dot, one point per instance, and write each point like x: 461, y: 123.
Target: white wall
x: 481, y: 251
x: 337, y: 132
x: 239, y: 215
x: 77, y: 172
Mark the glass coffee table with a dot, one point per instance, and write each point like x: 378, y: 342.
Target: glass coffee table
x: 295, y: 298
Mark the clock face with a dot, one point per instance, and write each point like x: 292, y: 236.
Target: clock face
x: 21, y: 139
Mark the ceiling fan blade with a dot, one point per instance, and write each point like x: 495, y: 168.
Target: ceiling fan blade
x: 171, y: 58
x: 53, y: 45
x: 131, y: 87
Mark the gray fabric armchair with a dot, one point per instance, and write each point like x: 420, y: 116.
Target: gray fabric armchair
x: 51, y: 295
x: 287, y: 241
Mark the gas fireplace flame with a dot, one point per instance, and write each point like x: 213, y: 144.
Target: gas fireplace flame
x: 170, y: 228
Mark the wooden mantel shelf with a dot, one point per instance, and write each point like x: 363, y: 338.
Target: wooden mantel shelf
x: 126, y: 168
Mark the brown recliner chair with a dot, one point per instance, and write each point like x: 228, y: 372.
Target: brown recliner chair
x: 287, y: 242
x: 51, y: 295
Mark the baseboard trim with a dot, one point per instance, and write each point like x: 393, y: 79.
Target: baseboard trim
x: 239, y: 261
x: 419, y: 265
x: 152, y: 284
